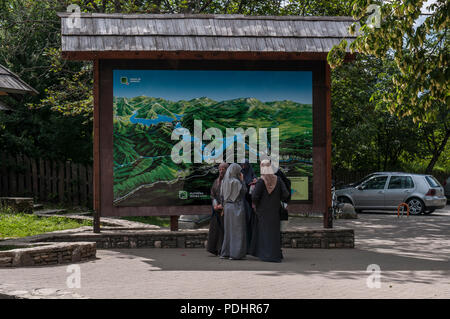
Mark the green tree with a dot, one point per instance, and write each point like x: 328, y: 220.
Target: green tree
x: 28, y: 32
x: 421, y: 53
x: 365, y: 135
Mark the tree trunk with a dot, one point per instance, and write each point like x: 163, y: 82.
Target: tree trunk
x: 438, y: 151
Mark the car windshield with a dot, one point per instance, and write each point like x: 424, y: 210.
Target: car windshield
x: 432, y: 181
x: 363, y: 180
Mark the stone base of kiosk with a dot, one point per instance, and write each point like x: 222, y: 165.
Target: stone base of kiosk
x: 134, y: 238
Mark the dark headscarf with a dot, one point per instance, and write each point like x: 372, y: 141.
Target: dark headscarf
x: 247, y: 171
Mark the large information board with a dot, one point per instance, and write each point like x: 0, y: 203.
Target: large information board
x: 171, y: 128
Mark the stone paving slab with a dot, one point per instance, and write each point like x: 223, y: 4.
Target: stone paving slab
x: 177, y: 273
x: 6, y: 292
x: 412, y: 254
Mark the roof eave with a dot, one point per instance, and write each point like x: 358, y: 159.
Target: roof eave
x: 30, y: 89
x: 201, y: 55
x: 202, y: 16
x: 16, y: 91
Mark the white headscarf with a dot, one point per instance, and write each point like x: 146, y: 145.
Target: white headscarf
x: 231, y: 184
x: 267, y: 174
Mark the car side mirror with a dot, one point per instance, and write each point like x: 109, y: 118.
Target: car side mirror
x: 360, y: 188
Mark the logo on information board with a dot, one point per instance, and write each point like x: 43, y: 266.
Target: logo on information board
x: 183, y: 195
x: 124, y: 80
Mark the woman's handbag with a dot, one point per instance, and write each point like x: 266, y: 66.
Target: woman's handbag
x: 284, y: 215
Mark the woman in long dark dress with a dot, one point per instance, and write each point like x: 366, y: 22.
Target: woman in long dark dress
x: 249, y: 179
x: 215, y: 234
x: 268, y: 193
x: 233, y: 195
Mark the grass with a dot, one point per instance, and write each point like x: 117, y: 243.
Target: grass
x: 4, y: 248
x: 14, y: 225
x: 152, y: 220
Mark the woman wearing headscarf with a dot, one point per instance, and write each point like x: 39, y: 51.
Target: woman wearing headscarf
x: 284, y: 214
x: 233, y: 195
x: 215, y: 234
x: 249, y: 180
x: 249, y: 174
x: 268, y: 193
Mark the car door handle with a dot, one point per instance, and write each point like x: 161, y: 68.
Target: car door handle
x: 381, y: 192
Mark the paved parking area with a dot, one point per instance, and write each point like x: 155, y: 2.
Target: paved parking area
x: 412, y: 255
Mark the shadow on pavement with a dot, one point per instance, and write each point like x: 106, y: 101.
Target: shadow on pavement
x: 403, y: 246
x: 297, y: 261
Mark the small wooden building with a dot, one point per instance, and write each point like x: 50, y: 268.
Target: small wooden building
x: 203, y: 42
x: 10, y: 83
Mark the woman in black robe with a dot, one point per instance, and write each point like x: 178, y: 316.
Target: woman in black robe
x: 268, y: 193
x: 215, y: 234
x: 249, y: 180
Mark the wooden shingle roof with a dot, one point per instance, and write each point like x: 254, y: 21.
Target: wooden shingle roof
x: 11, y: 83
x: 202, y: 33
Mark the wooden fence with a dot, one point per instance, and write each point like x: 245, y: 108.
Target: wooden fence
x: 46, y: 180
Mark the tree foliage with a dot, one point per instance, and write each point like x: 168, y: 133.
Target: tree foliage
x: 29, y: 46
x: 420, y: 52
x: 400, y: 77
x: 367, y: 137
x: 420, y: 48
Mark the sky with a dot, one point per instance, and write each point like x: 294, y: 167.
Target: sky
x: 427, y: 4
x: 425, y: 13
x: 175, y: 85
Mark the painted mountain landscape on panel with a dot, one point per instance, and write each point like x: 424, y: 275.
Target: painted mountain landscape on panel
x: 144, y: 173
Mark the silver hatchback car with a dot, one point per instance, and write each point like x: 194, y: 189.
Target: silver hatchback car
x: 387, y: 190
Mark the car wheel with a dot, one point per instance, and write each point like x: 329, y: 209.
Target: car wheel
x: 429, y: 212
x: 344, y: 199
x: 416, y: 206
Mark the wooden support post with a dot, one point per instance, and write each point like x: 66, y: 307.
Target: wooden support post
x: 173, y: 223
x: 327, y: 218
x: 96, y: 168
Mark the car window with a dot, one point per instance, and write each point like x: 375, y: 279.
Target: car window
x: 376, y: 183
x: 400, y: 182
x: 363, y: 180
x: 432, y: 181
